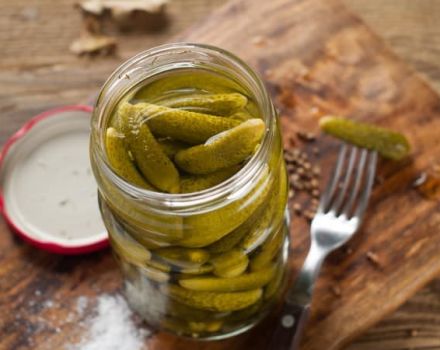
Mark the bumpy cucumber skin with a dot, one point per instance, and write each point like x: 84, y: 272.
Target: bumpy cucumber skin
x: 221, y: 302
x: 130, y: 250
x: 207, y: 228
x: 388, y: 143
x: 216, y: 104
x: 230, y: 264
x: 171, y: 147
x: 190, y: 127
x: 119, y: 160
x: 196, y: 183
x: 185, y: 257
x: 274, y: 213
x: 243, y: 282
x: 223, y: 150
x: 148, y: 154
x: 268, y: 250
x: 241, y: 115
x: 275, y: 285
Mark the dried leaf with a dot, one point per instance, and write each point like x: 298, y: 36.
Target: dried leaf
x: 118, y: 7
x: 93, y: 44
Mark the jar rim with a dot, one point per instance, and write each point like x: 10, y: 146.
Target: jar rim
x: 229, y: 188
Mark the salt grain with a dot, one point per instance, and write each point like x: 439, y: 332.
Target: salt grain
x: 112, y: 328
x: 81, y: 305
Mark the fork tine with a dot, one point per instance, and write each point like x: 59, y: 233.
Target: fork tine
x: 328, y: 193
x: 346, y: 182
x: 371, y: 172
x: 358, y: 181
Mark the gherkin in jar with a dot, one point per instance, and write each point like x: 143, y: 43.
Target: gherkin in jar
x: 195, y: 198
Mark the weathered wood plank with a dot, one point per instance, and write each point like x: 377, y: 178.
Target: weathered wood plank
x: 47, y: 75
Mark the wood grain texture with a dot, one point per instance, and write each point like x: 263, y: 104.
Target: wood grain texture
x: 38, y: 73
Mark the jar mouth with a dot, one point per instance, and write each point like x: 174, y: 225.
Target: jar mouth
x: 232, y: 187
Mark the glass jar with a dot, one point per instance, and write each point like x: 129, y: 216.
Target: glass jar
x: 207, y: 264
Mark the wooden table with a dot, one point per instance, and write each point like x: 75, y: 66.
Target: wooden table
x: 37, y: 72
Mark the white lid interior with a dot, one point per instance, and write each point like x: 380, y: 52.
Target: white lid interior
x: 49, y: 190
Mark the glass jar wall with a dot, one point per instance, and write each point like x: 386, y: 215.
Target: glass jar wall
x: 208, y: 259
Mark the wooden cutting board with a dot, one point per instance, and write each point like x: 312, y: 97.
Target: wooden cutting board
x: 317, y: 58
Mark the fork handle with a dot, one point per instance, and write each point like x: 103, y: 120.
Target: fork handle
x: 289, y: 327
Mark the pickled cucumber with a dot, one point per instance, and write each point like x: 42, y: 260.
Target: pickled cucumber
x: 186, y: 81
x: 190, y: 127
x: 197, y: 270
x: 233, y: 284
x: 236, y: 236
x: 149, y: 156
x: 183, y: 257
x: 195, y: 183
x: 271, y: 217
x: 230, y: 264
x: 268, y: 251
x: 217, y: 104
x: 119, y: 160
x: 274, y: 285
x: 159, y: 265
x: 204, y: 229
x: 171, y: 147
x: 224, y: 150
x: 388, y: 143
x: 154, y: 274
x: 185, y: 312
x: 129, y: 249
x: 210, y: 327
x: 221, y: 302
x: 241, y: 115
x: 231, y: 240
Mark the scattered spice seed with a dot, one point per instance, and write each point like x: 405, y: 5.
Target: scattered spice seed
x: 63, y: 202
x: 303, y: 177
x: 306, y: 136
x: 316, y: 193
x: 348, y: 251
x: 413, y: 332
x: 268, y: 73
x: 316, y: 170
x: 315, y: 151
x: 374, y: 259
x: 307, y: 166
x: 297, y: 208
x: 379, y: 180
x: 292, y: 142
x: 259, y: 40
x: 314, y: 183
x: 309, y: 215
x: 336, y: 290
x: 420, y: 179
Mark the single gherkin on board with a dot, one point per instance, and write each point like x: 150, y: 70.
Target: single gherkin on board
x: 387, y: 143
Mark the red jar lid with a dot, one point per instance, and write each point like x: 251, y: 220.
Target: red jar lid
x: 48, y: 194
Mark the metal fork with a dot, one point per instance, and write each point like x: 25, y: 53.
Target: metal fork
x: 339, y: 216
